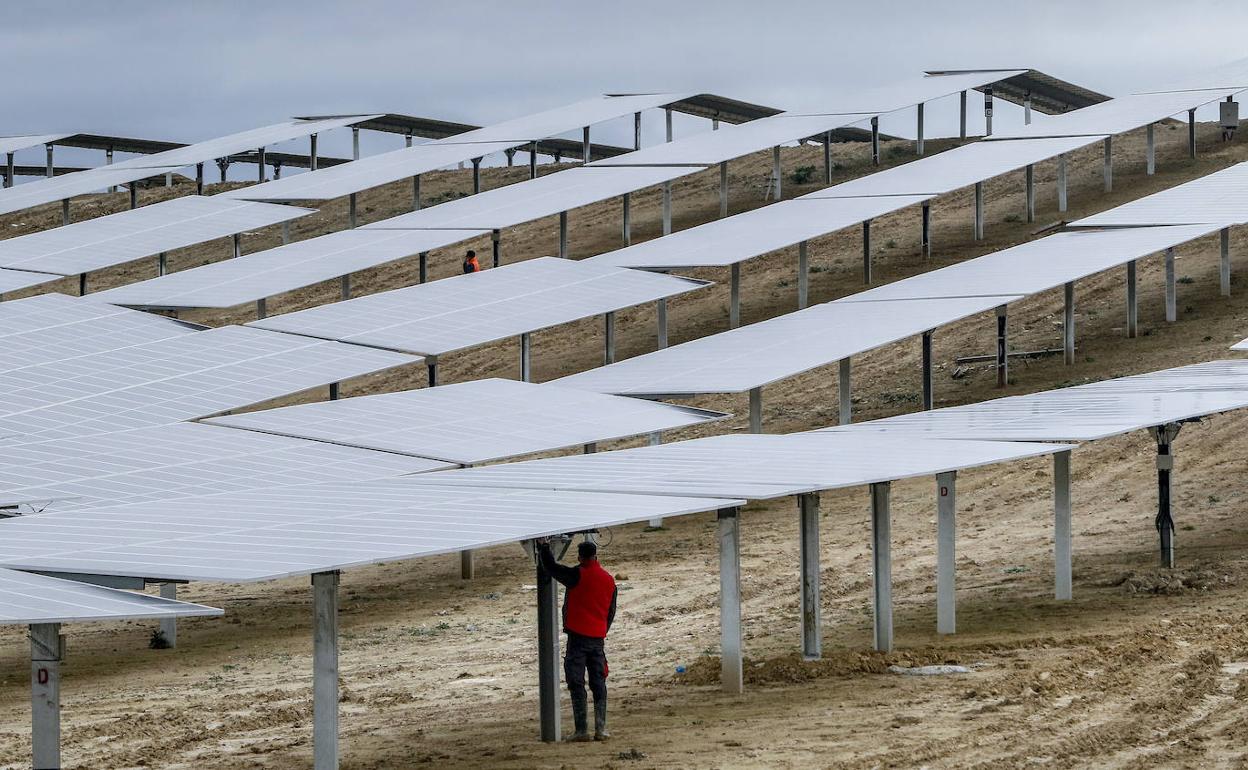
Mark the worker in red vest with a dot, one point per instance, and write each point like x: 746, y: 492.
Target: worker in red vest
x: 471, y: 265
x: 588, y: 611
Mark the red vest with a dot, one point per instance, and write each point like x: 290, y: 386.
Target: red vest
x: 587, y: 605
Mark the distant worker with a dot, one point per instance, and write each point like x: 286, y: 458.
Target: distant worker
x: 471, y: 265
x: 588, y: 611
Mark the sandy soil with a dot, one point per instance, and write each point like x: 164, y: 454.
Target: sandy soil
x: 1144, y: 668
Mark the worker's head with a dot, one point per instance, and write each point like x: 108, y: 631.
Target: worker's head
x: 586, y: 551
x: 470, y: 255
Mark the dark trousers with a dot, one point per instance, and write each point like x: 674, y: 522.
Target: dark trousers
x: 585, y: 654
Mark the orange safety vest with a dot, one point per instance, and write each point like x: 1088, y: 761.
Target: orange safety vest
x: 471, y: 265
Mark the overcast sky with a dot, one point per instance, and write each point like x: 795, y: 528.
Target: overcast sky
x: 188, y: 70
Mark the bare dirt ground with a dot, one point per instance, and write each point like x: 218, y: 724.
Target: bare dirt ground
x: 1143, y: 668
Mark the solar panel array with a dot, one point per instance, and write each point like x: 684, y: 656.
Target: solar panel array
x: 1118, y: 115
x: 472, y: 422
x: 1219, y: 198
x: 476, y: 308
x: 29, y: 599
x: 15, y: 143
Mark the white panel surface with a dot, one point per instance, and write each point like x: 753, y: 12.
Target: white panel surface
x: 533, y: 199
x: 472, y: 422
x: 1241, y: 345
x: 906, y: 92
x: 1219, y: 198
x: 1038, y: 265
x: 15, y: 143
x: 172, y: 380
x: 118, y: 238
x: 476, y: 308
x: 16, y: 280
x: 180, y: 460
x: 548, y: 123
x: 27, y: 599
x: 754, y: 467
x: 1116, y: 116
x: 95, y: 180
x: 756, y: 355
x: 264, y: 534
x: 954, y: 169
x: 727, y: 241
x: 262, y: 274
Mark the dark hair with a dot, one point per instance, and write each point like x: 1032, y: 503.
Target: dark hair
x: 471, y: 253
x: 587, y: 549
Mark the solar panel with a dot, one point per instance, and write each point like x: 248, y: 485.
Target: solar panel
x: 173, y: 380
x: 533, y: 199
x: 29, y: 599
x: 129, y: 235
x: 755, y: 467
x: 94, y: 180
x: 271, y: 272
x: 180, y: 460
x: 1241, y: 345
x: 756, y: 355
x: 1116, y: 116
x: 954, y: 169
x: 727, y: 241
x: 16, y: 280
x: 286, y: 531
x: 586, y: 112
x: 476, y: 308
x: 472, y: 422
x: 1038, y: 265
x: 1220, y: 197
x: 904, y: 93
x: 15, y: 143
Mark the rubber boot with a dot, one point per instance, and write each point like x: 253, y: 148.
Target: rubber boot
x: 580, y: 716
x: 600, y: 720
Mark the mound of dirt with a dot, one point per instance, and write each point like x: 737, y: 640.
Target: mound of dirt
x: 1172, y: 582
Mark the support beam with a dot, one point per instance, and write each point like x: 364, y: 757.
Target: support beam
x: 1108, y: 170
x: 496, y: 247
x: 1003, y: 358
x: 668, y: 113
x: 627, y: 218
x: 586, y: 148
x: 65, y: 211
x: 199, y: 178
x: 928, y: 396
x: 526, y: 360
x: 423, y: 275
x: 314, y: 156
x: 987, y: 112
x: 667, y: 208
x: 346, y: 287
x: 1027, y: 109
x: 533, y: 161
x: 476, y: 175
x: 162, y: 263
x: 776, y: 172
x: 734, y: 296
x: 1191, y: 134
x: 325, y: 671
x: 134, y: 195
x: 925, y: 231
x: 82, y: 284
x: 8, y: 170
x: 262, y: 310
x: 563, y: 234
x: 866, y: 252
x: 236, y: 243
x: 351, y: 211
x: 1061, y: 182
x: 285, y: 233
x: 260, y: 161
x: 1031, y: 192
x: 844, y: 385
x: 723, y: 189
x: 882, y: 566
x: 731, y: 672
x: 608, y: 338
x: 1172, y: 310
x: 661, y: 317
x: 636, y: 131
x: 1068, y: 323
x: 431, y: 369
x: 416, y: 193
x: 756, y: 410
x: 946, y: 552
x: 1150, y: 151
x: 875, y: 141
x: 1133, y: 306
x: 47, y: 650
x: 548, y: 655
x: 1165, y: 436
x: 1224, y: 273
x: 808, y: 522
x: 169, y: 626
x: 979, y: 211
x: 50, y: 170
x: 827, y: 157
x: 334, y: 389
x: 962, y: 115
x: 467, y: 565
x: 918, y: 143
x: 803, y: 275
x: 1061, y: 527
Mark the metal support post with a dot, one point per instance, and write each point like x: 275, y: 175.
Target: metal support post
x: 169, y: 626
x: 946, y: 552
x: 134, y: 195
x: 82, y: 284
x: 1108, y: 171
x: 467, y: 565
x: 285, y: 233
x: 734, y: 296
x: 882, y: 566
x: 918, y: 144
x: 423, y: 275
x: 325, y: 671
x: 199, y: 178
x: 1150, y: 151
x: 1061, y: 527
x: 1191, y: 134
x: 962, y: 115
x: 987, y: 112
x: 586, y: 147
x: 236, y: 241
x: 756, y: 410
x: 563, y: 234
x: 1165, y: 436
x: 416, y: 193
x: 262, y: 309
x: 731, y: 673
x: 169, y: 179
x: 776, y: 172
x: 1133, y: 307
x: 827, y: 157
x: 49, y: 170
x: 661, y: 314
x: 162, y: 263
x: 1061, y: 182
x: 1068, y: 323
x: 548, y: 655
x: 636, y: 131
x: 65, y: 211
x: 875, y: 141
x: 1030, y: 186
x: 496, y: 246
x: 351, y: 211
x: 334, y: 391
x: 1225, y: 269
x: 866, y: 252
x: 808, y: 521
x: 47, y: 650
x: 8, y: 170
x: 627, y: 218
x: 346, y: 286
x: 1027, y: 109
x: 723, y: 189
x: 431, y: 368
x: 667, y: 208
x: 1003, y: 357
x: 223, y: 166
x: 476, y: 175
x: 927, y: 371
x: 1172, y: 311
x: 260, y: 160
x: 844, y: 384
x: 533, y: 161
x: 668, y: 112
x: 608, y: 338
x: 979, y: 211
x: 925, y: 234
x: 803, y: 275
x: 526, y: 361
x: 312, y: 154
x: 511, y: 157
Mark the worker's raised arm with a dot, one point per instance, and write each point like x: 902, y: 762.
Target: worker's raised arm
x: 568, y: 576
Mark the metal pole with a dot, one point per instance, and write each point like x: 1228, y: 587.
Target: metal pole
x: 1061, y: 526
x: 65, y: 211
x: 50, y: 170
x: 8, y: 169
x: 423, y: 276
x: 827, y: 157
x: 608, y: 342
x: 526, y: 361
x: 108, y: 161
x: 844, y: 384
x: 46, y: 652
x: 169, y: 626
x: 1225, y: 273
x: 199, y: 178
x: 346, y: 286
x: 1031, y: 192
x: 734, y: 296
x: 1172, y: 312
x: 732, y: 675
x: 979, y: 211
x: 1003, y: 358
x: 756, y: 410
x: 627, y: 218
x: 162, y: 263
x: 803, y: 275
x: 875, y: 141
x: 586, y: 147
x: 962, y: 113
x: 431, y: 368
x: 236, y: 240
x: 918, y: 144
x: 533, y: 161
x: 723, y: 189
x: 667, y: 208
x: 1108, y: 171
x: 1132, y: 303
x: 134, y: 195
x: 325, y: 671
x: 286, y: 233
x: 946, y: 552
x: 351, y: 219
x: 467, y: 565
x: 882, y: 566
x: 548, y: 655
x: 1191, y: 134
x: 1027, y: 109
x: 866, y: 252
x: 927, y: 371
x: 262, y: 310
x: 668, y: 111
x: 496, y: 246
x: 987, y: 112
x: 808, y: 519
x: 1165, y: 436
x: 926, y: 230
x: 416, y: 192
x: 82, y: 284
x: 636, y: 131
x: 1061, y: 182
x: 260, y: 159
x: 661, y: 313
x: 169, y: 179
x: 1068, y: 323
x: 563, y: 234
x: 1150, y: 151
x: 476, y: 175
x: 775, y: 170
x: 312, y: 154
x: 333, y: 391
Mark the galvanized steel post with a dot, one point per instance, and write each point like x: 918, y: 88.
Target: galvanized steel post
x: 1225, y: 268
x: 732, y: 677
x: 608, y: 338
x: 882, y: 566
x: 756, y: 410
x: 496, y: 247
x: 918, y: 144
x: 1150, y: 150
x: 927, y: 370
x: 660, y: 307
x: 875, y: 141
x: 325, y: 671
x: 1003, y: 355
x: 866, y: 252
x: 734, y: 296
x: 803, y: 275
x: 808, y: 521
x: 979, y: 211
x: 46, y: 653
x: 1191, y: 134
x: 723, y: 189
x: 946, y: 552
x: 1068, y: 323
x: 1132, y: 302
x: 844, y: 384
x: 1030, y: 186
x: 526, y: 360
x: 169, y: 626
x: 925, y: 231
x: 1172, y: 310
x: 476, y: 175
x: 1108, y: 171
x: 548, y: 655
x: 775, y: 170
x: 563, y: 234
x: 1062, y: 590
x: 1061, y: 182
